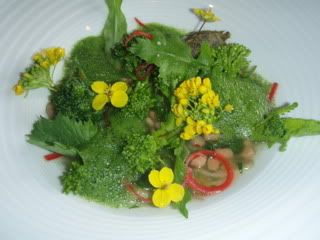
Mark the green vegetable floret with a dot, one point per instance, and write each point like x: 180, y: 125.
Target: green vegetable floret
x: 141, y: 153
x: 73, y: 98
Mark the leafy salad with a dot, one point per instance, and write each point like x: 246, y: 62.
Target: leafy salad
x: 155, y: 116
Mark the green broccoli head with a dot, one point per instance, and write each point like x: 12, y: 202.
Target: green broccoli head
x: 141, y: 153
x: 73, y: 98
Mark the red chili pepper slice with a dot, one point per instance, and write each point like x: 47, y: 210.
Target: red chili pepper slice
x: 131, y: 188
x: 141, y: 24
x: 273, y: 91
x: 194, y: 185
x: 52, y: 156
x: 137, y: 33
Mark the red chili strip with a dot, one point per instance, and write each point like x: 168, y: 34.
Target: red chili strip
x: 273, y: 91
x: 194, y: 185
x: 52, y: 156
x: 141, y: 24
x: 137, y: 33
x: 131, y: 188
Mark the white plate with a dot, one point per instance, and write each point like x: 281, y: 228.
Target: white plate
x: 278, y: 199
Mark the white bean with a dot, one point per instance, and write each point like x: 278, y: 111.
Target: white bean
x: 226, y: 152
x: 213, y: 164
x: 198, y: 141
x: 199, y: 161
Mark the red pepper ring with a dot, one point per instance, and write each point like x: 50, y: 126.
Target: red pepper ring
x: 137, y: 33
x: 132, y: 189
x: 194, y: 185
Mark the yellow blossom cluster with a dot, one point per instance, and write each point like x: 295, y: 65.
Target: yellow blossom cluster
x: 49, y: 56
x: 39, y: 73
x: 197, y: 107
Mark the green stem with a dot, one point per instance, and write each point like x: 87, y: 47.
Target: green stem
x: 204, y: 22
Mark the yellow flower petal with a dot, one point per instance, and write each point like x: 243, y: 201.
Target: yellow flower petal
x: 154, y: 179
x: 99, y: 101
x: 186, y: 136
x: 190, y: 121
x: 176, y: 192
x: 99, y: 87
x: 207, y: 83
x: 119, y: 99
x: 184, y: 101
x: 190, y: 129
x: 166, y: 176
x: 207, y: 129
x: 18, y: 89
x: 179, y: 121
x: 161, y: 198
x: 229, y: 108
x: 119, y: 86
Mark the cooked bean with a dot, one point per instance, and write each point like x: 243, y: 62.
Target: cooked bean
x: 212, y: 137
x: 153, y: 115
x: 248, y: 151
x: 199, y: 161
x: 226, y: 152
x: 198, y: 141
x: 157, y: 125
x: 51, y: 111
x: 213, y: 164
x: 150, y: 122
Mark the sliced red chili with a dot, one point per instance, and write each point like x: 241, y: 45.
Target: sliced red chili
x: 137, y: 33
x: 144, y: 70
x: 273, y: 91
x: 52, y: 156
x: 194, y: 185
x: 131, y: 188
x: 141, y: 24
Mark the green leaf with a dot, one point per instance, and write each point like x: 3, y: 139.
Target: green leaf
x: 181, y: 152
x: 297, y: 127
x: 171, y: 54
x: 116, y: 24
x: 182, y: 205
x: 62, y: 135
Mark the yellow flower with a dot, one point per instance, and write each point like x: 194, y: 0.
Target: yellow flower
x: 229, y: 108
x: 49, y: 56
x: 208, y: 129
x: 166, y: 191
x: 18, y: 89
x: 116, y: 94
x: 186, y: 136
x: 206, y: 14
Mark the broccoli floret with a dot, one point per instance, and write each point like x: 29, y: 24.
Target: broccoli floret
x: 141, y: 100
x: 101, y: 174
x: 141, y: 153
x: 73, y: 98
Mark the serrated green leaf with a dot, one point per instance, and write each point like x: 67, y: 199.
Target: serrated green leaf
x: 62, y: 135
